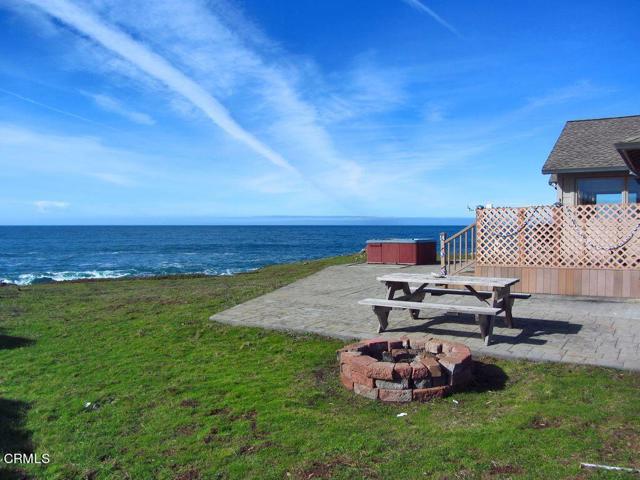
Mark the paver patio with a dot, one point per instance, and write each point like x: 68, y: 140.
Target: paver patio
x: 587, y: 330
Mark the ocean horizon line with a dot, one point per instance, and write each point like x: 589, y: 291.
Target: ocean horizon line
x: 272, y: 220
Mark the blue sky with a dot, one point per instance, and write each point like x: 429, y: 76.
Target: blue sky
x: 188, y: 111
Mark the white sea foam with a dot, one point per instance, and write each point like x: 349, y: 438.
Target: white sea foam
x: 30, y: 278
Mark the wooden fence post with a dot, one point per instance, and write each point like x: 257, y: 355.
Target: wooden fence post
x: 443, y: 253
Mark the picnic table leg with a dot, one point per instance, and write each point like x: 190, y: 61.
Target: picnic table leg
x: 383, y: 317
x: 508, y: 304
x: 383, y: 312
x: 486, y: 327
x: 392, y: 288
x: 414, y: 298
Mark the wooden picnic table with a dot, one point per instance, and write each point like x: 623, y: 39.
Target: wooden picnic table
x: 496, y: 299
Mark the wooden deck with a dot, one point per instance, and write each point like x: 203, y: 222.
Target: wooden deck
x: 569, y: 281
x: 584, y: 250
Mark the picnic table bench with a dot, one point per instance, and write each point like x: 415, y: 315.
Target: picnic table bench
x: 496, y: 300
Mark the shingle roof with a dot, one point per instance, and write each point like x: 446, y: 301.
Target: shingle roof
x: 635, y: 139
x: 589, y: 144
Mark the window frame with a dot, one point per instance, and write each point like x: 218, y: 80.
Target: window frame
x: 624, y: 193
x: 628, y: 180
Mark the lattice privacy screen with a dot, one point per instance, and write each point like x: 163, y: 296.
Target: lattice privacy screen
x: 582, y: 236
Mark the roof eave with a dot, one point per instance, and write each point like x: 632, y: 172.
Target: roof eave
x: 631, y: 159
x: 621, y: 168
x: 627, y: 146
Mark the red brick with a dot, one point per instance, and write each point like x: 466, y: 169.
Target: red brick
x: 362, y: 379
x: 345, y: 357
x: 463, y: 358
x: 346, y: 381
x: 380, y: 370
x: 401, y: 354
x: 376, y: 345
x: 419, y: 370
x: 419, y: 342
x: 371, y: 393
x: 432, y: 364
x: 455, y: 361
x: 394, y: 395
x: 402, y: 370
x: 359, y: 364
x: 433, y: 346
x: 424, y: 394
x: 446, y: 346
x: 459, y: 368
x: 354, y: 347
x: 457, y: 348
x: 346, y: 369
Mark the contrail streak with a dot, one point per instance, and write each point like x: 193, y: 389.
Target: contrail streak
x: 157, y: 67
x: 418, y: 5
x: 53, y: 109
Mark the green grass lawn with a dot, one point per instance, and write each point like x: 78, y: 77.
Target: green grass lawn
x: 175, y: 396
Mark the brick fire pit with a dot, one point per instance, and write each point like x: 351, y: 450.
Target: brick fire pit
x: 404, y: 369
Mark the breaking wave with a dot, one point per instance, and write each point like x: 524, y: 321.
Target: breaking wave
x: 51, y: 277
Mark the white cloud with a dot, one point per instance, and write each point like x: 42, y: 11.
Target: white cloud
x: 114, y: 178
x: 418, y: 5
x: 114, y: 106
x: 211, y: 50
x: 157, y: 67
x: 267, y: 87
x: 576, y: 91
x: 44, y: 206
x: 192, y: 47
x: 83, y: 156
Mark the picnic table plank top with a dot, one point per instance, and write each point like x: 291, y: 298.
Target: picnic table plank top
x: 448, y: 280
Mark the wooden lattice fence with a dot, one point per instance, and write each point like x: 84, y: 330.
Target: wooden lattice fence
x: 603, y: 236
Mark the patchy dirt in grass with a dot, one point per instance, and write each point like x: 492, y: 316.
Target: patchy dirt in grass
x: 186, y: 430
x: 250, y: 449
x: 463, y: 474
x: 192, y: 474
x: 189, y: 403
x: 211, y: 436
x: 506, y: 469
x: 322, y: 374
x: 169, y: 452
x: 331, y: 467
x: 622, y: 439
x: 90, y: 475
x: 539, y: 422
x: 219, y: 411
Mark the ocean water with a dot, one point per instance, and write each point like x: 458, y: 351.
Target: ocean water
x: 44, y: 254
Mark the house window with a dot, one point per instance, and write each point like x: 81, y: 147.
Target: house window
x: 592, y: 191
x: 634, y: 189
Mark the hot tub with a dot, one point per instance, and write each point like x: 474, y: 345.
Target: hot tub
x: 403, y: 251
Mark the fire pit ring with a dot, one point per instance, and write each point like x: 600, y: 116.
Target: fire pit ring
x: 404, y: 369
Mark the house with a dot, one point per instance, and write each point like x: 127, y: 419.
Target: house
x: 593, y: 161
x: 588, y: 242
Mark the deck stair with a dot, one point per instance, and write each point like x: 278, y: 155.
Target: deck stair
x: 458, y: 252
